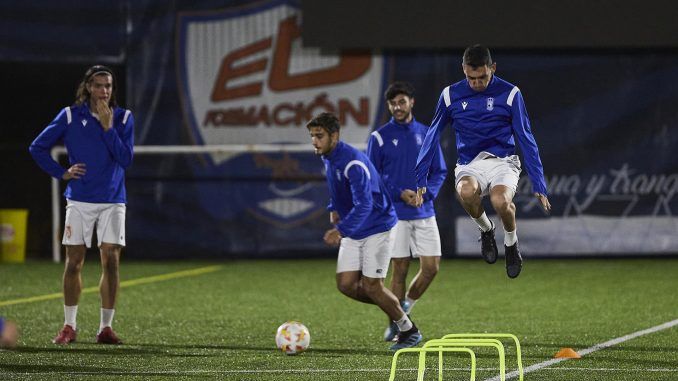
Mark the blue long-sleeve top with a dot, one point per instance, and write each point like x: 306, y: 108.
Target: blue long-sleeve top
x: 483, y: 121
x: 106, y: 155
x: 393, y: 149
x: 357, y: 193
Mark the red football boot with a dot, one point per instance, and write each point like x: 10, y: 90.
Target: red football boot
x: 107, y: 336
x: 66, y: 336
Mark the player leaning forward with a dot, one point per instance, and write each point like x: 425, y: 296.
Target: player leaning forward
x: 486, y: 113
x: 363, y: 217
x: 99, y: 138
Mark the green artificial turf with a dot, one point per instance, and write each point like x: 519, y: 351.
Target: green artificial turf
x: 221, y: 324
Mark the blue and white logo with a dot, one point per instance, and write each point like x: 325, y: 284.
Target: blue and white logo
x: 490, y: 104
x: 261, y: 85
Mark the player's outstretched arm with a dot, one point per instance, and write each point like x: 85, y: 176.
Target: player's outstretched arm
x: 431, y: 141
x: 544, y: 201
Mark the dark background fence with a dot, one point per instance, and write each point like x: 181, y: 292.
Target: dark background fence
x: 602, y: 108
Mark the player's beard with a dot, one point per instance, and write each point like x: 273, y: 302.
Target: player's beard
x: 401, y: 116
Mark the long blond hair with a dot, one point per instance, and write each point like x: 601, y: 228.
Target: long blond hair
x: 82, y: 95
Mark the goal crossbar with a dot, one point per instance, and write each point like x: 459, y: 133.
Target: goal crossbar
x: 58, y: 151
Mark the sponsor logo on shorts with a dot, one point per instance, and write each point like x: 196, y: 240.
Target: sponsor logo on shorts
x: 68, y: 231
x: 379, y: 271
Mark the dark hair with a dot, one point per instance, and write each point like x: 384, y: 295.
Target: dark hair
x: 477, y: 56
x: 327, y: 121
x: 82, y: 95
x: 397, y: 88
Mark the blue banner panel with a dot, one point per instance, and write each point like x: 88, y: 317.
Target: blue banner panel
x: 63, y: 31
x: 204, y: 74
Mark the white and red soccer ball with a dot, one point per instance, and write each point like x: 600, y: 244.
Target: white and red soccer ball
x: 292, y: 337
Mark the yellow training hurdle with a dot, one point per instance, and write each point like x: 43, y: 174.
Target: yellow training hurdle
x: 460, y: 342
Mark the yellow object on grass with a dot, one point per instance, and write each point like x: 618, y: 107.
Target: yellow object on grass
x: 13, y: 235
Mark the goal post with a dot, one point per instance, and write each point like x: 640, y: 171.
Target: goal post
x: 232, y: 149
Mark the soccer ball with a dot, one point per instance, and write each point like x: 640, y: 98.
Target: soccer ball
x: 292, y: 338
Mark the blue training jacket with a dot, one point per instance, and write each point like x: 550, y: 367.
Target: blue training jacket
x: 483, y: 121
x: 106, y: 155
x: 357, y: 193
x: 393, y: 149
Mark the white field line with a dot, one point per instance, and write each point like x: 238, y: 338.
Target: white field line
x: 592, y: 349
x: 529, y: 369
x: 126, y: 283
x: 284, y: 371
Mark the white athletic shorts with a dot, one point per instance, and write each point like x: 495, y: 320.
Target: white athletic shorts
x: 419, y: 237
x: 82, y: 216
x: 490, y: 171
x: 372, y: 254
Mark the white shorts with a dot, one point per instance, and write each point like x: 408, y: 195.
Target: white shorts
x: 82, y: 216
x: 371, y: 254
x: 490, y: 171
x: 419, y: 237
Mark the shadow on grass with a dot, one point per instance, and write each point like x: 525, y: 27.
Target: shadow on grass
x: 121, y: 350
x: 175, y: 350
x: 266, y: 349
x: 33, y: 368
x: 212, y: 350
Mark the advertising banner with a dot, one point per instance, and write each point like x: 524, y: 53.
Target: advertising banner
x: 605, y: 125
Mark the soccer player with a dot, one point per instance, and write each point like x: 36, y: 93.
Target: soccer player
x: 99, y: 137
x: 9, y: 333
x: 488, y: 114
x: 363, y: 218
x: 393, y: 150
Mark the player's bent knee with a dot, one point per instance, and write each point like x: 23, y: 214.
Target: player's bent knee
x: 429, y: 271
x: 429, y: 268
x: 400, y: 267
x: 500, y: 202
x: 372, y: 285
x: 467, y: 192
x: 346, y: 288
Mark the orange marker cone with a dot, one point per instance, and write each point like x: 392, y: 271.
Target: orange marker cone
x: 567, y: 353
